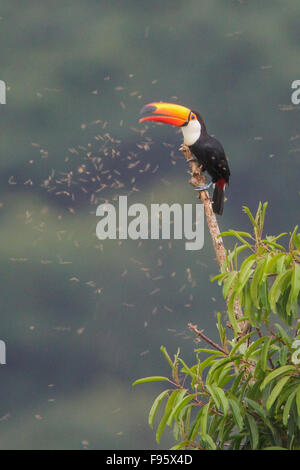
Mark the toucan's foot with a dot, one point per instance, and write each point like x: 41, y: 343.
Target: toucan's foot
x: 183, y: 148
x: 192, y: 159
x: 203, y: 188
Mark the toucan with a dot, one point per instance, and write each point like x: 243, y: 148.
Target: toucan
x: 207, y: 150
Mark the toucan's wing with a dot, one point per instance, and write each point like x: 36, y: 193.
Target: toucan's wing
x: 215, y: 158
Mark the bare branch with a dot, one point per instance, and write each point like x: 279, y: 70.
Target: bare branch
x: 201, y: 335
x: 198, y: 179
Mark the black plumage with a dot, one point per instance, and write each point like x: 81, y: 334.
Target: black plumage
x: 210, y: 154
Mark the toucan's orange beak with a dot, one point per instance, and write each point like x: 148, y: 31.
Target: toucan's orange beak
x: 169, y: 113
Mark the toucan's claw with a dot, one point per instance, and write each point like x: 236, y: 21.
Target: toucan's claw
x: 203, y: 188
x: 192, y: 159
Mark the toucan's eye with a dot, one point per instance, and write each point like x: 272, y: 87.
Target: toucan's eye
x: 193, y: 116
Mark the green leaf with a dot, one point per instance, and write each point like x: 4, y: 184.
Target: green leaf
x: 276, y: 391
x: 272, y: 244
x: 297, y: 241
x: 238, y: 235
x: 276, y: 373
x: 237, y: 382
x: 214, y: 395
x: 240, y: 342
x: 169, y: 411
x: 283, y: 355
x: 272, y: 262
x: 231, y: 313
x: 253, y: 346
x: 287, y: 261
x: 169, y: 360
x: 265, y: 353
x: 161, y: 427
x: 206, y: 438
x: 292, y: 239
x: 283, y: 334
x: 247, y: 210
x: 220, y: 373
x: 277, y: 236
x: 234, y: 232
x: 195, y: 427
x: 233, y: 254
x: 243, y: 388
x: 203, y: 419
x: 214, y: 424
x: 181, y: 446
x: 232, y: 276
x: 280, y: 265
x: 206, y: 363
x: 295, y: 286
x: 298, y: 401
x: 186, y: 369
x: 219, y: 363
x: 155, y: 378
x: 222, y: 398
x: 287, y: 408
x: 288, y: 390
x: 174, y: 399
x: 219, y: 277
x: 257, y: 408
x: 278, y: 287
x: 236, y: 413
x: 209, y: 351
x: 245, y: 272
x: 263, y: 414
x: 221, y: 329
x: 254, y: 435
x: 263, y: 296
x: 262, y: 216
x: 180, y: 405
x: 258, y: 213
x: 249, y: 306
x: 226, y: 375
x: 275, y: 448
x: 257, y: 277
x: 283, y: 311
x: 155, y: 407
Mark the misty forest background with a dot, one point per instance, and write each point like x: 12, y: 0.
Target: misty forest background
x: 82, y: 319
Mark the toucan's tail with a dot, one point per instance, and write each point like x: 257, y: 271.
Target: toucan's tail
x: 218, y: 196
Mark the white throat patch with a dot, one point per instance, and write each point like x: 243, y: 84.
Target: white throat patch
x: 191, y: 132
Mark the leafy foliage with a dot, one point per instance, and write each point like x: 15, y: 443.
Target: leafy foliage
x: 268, y: 280
x: 244, y: 393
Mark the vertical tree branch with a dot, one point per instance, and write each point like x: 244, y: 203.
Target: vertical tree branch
x: 198, y: 179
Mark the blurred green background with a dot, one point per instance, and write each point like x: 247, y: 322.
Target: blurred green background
x: 82, y: 319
